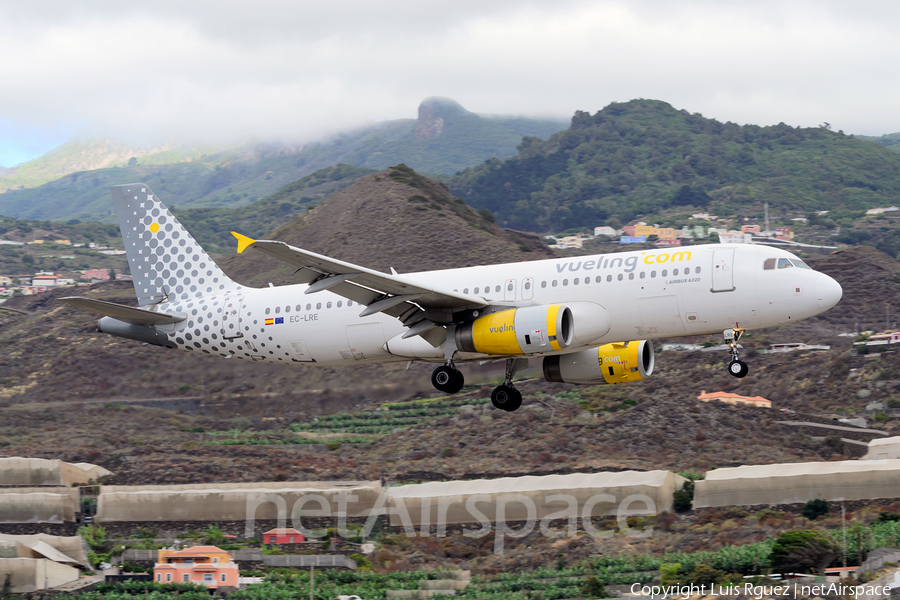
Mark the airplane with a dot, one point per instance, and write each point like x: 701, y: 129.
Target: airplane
x: 591, y: 319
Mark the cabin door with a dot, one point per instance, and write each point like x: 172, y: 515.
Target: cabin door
x: 723, y: 270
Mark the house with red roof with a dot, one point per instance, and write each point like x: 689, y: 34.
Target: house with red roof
x: 203, y: 565
x: 283, y: 536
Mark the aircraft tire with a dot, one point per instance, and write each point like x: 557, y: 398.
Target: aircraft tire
x: 738, y: 368
x: 447, y: 379
x: 506, y: 397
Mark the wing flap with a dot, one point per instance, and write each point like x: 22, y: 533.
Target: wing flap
x: 128, y: 314
x: 362, y: 279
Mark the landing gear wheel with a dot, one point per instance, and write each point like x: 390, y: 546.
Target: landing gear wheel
x: 447, y: 379
x: 738, y: 368
x: 506, y: 397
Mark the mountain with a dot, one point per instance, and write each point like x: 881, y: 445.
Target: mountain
x: 394, y: 218
x: 88, y: 155
x: 444, y: 139
x: 889, y: 140
x: 644, y: 157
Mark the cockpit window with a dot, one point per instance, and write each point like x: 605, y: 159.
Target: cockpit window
x: 799, y: 263
x: 769, y: 264
x: 784, y: 263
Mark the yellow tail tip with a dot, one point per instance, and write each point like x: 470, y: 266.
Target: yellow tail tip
x: 243, y: 241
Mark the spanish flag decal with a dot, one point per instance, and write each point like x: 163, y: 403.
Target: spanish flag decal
x: 270, y: 321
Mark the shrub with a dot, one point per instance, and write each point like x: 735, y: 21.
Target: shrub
x: 803, y: 549
x: 593, y: 588
x: 362, y: 563
x: 814, y: 509
x: 684, y: 498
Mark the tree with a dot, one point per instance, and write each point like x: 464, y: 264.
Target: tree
x: 112, y: 274
x: 668, y: 573
x: 815, y: 509
x: 132, y: 161
x: 803, y: 550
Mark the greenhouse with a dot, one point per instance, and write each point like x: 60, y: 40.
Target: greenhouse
x: 793, y: 483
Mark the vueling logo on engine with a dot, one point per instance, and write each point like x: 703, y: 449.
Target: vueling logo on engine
x: 503, y: 329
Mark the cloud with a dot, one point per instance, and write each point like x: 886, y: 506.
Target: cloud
x: 291, y: 70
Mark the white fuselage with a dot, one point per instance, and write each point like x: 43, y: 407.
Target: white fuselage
x: 649, y: 294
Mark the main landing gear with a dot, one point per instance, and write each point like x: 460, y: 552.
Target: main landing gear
x: 448, y: 379
x: 736, y: 367
x: 507, y: 397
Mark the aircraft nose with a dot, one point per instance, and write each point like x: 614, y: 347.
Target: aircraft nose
x: 828, y: 292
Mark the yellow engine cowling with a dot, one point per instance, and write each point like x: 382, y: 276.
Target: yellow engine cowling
x: 611, y: 363
x: 526, y: 330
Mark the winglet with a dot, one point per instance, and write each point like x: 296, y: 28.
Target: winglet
x: 243, y: 241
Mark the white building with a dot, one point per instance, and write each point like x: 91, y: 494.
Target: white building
x: 605, y: 230
x: 735, y: 237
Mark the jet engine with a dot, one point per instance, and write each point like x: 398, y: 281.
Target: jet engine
x: 525, y: 330
x: 610, y: 363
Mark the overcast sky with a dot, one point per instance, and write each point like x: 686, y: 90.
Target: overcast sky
x: 294, y: 70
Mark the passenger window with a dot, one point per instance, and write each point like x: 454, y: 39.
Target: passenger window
x: 565, y: 282
x: 769, y: 264
x: 349, y: 302
x: 631, y: 276
x: 599, y: 279
x: 509, y: 287
x: 287, y: 309
x: 497, y: 289
x: 784, y: 263
x: 268, y: 310
x: 298, y: 308
x: 527, y: 285
x: 575, y: 282
x: 620, y: 277
x: 476, y: 290
x: 328, y: 305
x: 277, y: 310
x: 609, y: 278
x: 340, y: 303
x: 674, y: 271
x: 465, y: 290
x: 643, y: 275
x: 665, y: 272
x: 652, y: 273
x: 800, y: 264
x: 309, y: 307
x: 696, y: 269
x: 554, y: 283
x: 587, y: 280
x: 543, y: 284
x: 687, y: 270
x: 318, y: 306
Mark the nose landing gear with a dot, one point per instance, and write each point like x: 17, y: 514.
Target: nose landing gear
x: 736, y: 367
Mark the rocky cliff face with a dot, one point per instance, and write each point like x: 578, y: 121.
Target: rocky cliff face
x: 433, y: 116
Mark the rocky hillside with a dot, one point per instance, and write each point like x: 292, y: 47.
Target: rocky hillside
x: 395, y: 218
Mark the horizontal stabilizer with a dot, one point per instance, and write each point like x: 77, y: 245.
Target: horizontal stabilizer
x: 120, y: 312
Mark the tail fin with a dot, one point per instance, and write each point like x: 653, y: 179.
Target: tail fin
x: 166, y: 262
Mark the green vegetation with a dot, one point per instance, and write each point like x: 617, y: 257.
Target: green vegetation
x: 803, y: 550
x: 814, y: 509
x: 390, y: 417
x: 643, y: 157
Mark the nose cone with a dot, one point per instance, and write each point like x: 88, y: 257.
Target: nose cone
x: 828, y: 292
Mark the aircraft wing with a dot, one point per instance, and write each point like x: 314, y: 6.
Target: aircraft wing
x: 128, y: 314
x: 377, y: 291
